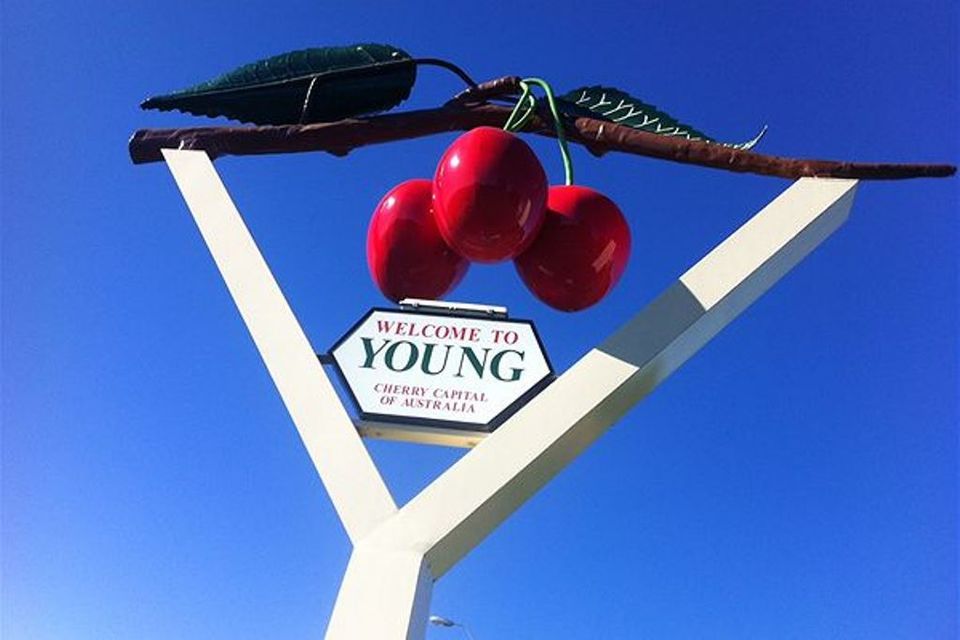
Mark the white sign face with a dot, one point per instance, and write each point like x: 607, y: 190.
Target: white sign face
x: 439, y: 369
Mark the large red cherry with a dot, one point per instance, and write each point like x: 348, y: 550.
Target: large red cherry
x: 405, y: 252
x: 489, y: 193
x: 581, y: 251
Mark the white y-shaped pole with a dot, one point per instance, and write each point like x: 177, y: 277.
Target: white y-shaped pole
x: 398, y: 554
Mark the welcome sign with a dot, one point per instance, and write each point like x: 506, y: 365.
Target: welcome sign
x: 430, y: 368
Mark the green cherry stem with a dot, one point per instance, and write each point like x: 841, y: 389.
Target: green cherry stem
x: 527, y: 115
x: 516, y: 122
x: 561, y: 136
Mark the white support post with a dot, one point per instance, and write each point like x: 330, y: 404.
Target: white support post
x: 385, y: 593
x: 355, y: 486
x: 398, y: 555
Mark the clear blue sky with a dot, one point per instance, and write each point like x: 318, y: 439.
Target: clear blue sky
x: 797, y: 479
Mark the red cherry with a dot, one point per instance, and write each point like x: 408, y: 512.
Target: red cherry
x: 405, y: 253
x: 489, y: 194
x: 581, y: 251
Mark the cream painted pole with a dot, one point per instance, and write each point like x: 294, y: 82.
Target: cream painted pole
x: 358, y: 492
x: 385, y: 595
x: 397, y: 556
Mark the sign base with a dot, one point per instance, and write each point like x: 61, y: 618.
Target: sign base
x: 415, y: 434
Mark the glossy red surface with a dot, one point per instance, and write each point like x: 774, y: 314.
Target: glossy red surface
x: 406, y: 255
x: 489, y: 194
x: 580, y: 252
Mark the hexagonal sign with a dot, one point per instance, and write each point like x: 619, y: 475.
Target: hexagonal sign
x: 430, y: 368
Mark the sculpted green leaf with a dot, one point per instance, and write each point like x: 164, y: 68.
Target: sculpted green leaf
x: 605, y: 103
x: 312, y: 85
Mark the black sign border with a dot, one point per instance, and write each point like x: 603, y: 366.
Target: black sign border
x: 488, y: 427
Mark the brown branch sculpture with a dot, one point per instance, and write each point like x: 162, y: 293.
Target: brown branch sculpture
x: 471, y: 109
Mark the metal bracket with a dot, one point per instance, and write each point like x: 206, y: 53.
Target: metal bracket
x: 460, y: 308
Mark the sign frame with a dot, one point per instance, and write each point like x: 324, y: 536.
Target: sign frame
x: 475, y: 428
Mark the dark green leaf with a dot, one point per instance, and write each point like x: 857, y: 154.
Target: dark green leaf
x: 613, y: 105
x: 312, y: 85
